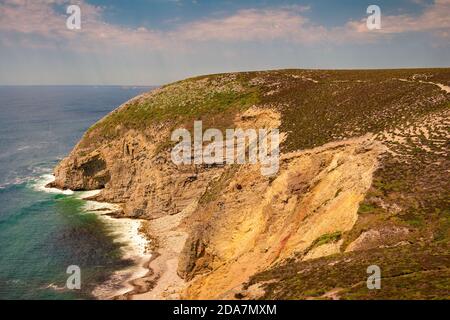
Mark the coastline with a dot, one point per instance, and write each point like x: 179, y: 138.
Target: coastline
x: 136, y: 247
x: 162, y: 282
x: 127, y: 231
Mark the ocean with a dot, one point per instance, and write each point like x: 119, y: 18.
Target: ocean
x: 43, y: 232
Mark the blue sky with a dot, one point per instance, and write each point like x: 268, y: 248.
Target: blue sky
x: 147, y: 42
x: 162, y: 12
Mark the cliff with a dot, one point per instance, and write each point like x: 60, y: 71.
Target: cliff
x: 362, y: 180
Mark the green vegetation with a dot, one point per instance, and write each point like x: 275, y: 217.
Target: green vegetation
x: 386, y: 187
x: 416, y: 272
x: 366, y: 208
x: 344, y: 104
x: 326, y: 238
x: 180, y: 102
x: 319, y: 106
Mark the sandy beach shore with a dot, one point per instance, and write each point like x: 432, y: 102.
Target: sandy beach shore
x: 126, y: 231
x: 162, y: 281
x: 129, y: 232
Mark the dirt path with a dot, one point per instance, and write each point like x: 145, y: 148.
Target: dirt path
x: 440, y: 85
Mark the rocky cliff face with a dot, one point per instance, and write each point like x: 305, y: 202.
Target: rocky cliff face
x: 218, y: 227
x: 254, y: 223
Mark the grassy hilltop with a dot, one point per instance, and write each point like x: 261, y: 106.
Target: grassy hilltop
x: 319, y: 105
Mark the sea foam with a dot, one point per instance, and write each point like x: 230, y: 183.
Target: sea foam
x: 124, y: 231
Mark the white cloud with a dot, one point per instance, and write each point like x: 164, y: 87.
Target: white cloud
x: 38, y: 23
x: 252, y: 25
x: 434, y: 19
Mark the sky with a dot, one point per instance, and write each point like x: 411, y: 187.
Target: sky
x: 152, y: 42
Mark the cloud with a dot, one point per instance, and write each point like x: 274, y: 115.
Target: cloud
x: 42, y: 23
x: 434, y: 19
x: 253, y: 25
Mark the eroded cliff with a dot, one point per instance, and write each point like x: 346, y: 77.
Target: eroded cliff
x: 218, y: 228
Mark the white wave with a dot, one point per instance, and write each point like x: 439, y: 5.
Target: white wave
x: 22, y: 148
x: 25, y: 179
x: 54, y: 287
x: 40, y: 185
x: 13, y: 182
x: 134, y: 246
x: 124, y: 230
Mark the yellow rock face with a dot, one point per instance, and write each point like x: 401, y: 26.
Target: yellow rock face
x: 317, y: 192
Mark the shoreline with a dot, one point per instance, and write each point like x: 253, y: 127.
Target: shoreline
x: 128, y: 231
x: 162, y: 282
x: 136, y: 247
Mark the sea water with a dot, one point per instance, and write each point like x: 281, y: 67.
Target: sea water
x: 42, y: 232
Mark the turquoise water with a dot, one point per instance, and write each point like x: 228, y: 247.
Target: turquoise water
x: 42, y: 233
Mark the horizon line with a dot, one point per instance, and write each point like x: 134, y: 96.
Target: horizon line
x: 79, y: 85
x: 227, y: 72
